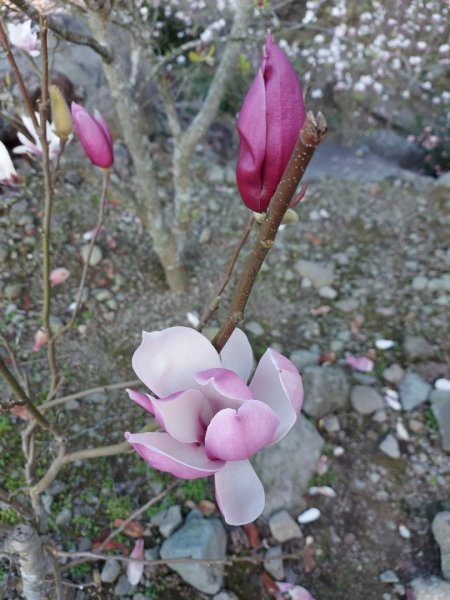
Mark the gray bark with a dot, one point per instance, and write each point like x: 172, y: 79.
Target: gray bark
x: 33, y: 564
x: 148, y: 204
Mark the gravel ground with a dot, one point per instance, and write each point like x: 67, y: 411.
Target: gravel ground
x: 379, y: 269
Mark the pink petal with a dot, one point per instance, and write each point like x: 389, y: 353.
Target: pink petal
x: 147, y: 403
x: 223, y: 388
x: 251, y: 127
x: 58, y: 276
x: 135, y: 568
x: 167, y: 360
x: 239, y: 493
x: 161, y: 451
x: 278, y: 383
x: 299, y: 593
x: 237, y: 355
x: 40, y: 340
x: 237, y: 435
x: 360, y: 363
x: 104, y: 125
x: 285, y: 115
x: 96, y: 143
x: 185, y: 415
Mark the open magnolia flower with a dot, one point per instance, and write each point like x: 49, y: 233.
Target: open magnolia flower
x: 213, y: 421
x: 34, y: 146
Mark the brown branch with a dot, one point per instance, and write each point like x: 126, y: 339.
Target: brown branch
x: 48, y: 205
x: 310, y: 136
x: 18, y: 76
x: 20, y: 376
x: 214, y: 304
x: 70, y: 36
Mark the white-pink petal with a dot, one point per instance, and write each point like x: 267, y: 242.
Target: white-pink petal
x: 237, y: 355
x: 135, y: 568
x: 161, y: 451
x: 58, y: 276
x: 277, y: 382
x: 237, y: 435
x: 239, y: 493
x: 185, y: 415
x: 223, y: 388
x: 40, y: 339
x: 167, y: 360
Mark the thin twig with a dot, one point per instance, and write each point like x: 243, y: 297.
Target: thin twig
x: 104, y: 388
x: 17, y: 389
x: 23, y: 380
x: 88, y: 453
x: 94, y: 556
x: 46, y: 226
x: 87, y: 258
x: 310, y: 136
x: 138, y: 512
x: 70, y: 36
x: 214, y: 304
x: 18, y: 76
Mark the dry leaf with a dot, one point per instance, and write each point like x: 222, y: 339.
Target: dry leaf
x: 253, y: 535
x: 132, y: 529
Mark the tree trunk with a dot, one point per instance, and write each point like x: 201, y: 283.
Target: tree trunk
x: 185, y: 144
x: 148, y: 204
x: 25, y: 542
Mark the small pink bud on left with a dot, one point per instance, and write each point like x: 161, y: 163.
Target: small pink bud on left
x: 135, y: 567
x: 94, y: 135
x: 40, y: 340
x: 58, y: 276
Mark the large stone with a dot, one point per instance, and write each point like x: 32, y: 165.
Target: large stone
x: 168, y: 520
x: 286, y: 468
x: 203, y: 539
x: 319, y: 274
x: 365, y: 400
x: 417, y: 348
x: 283, y: 527
x: 441, y: 532
x: 430, y: 588
x: 393, y: 146
x: 111, y: 571
x: 413, y: 390
x: 440, y: 404
x: 326, y: 390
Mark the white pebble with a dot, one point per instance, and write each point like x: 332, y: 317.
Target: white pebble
x: 384, y: 344
x: 402, y: 432
x: 322, y: 490
x: 310, y: 515
x: 442, y: 384
x: 338, y: 451
x: 404, y: 532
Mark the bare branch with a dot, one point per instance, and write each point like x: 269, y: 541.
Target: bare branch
x: 70, y: 36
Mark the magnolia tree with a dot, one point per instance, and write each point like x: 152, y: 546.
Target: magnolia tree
x: 209, y: 413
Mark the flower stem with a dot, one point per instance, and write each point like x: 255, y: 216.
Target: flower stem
x: 214, y: 304
x: 310, y: 136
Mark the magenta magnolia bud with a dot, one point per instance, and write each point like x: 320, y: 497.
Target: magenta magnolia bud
x: 94, y: 135
x: 269, y: 123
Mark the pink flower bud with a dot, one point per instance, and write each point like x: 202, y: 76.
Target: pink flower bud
x: 58, y: 276
x: 94, y: 135
x: 136, y: 567
x: 40, y: 340
x: 269, y: 123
